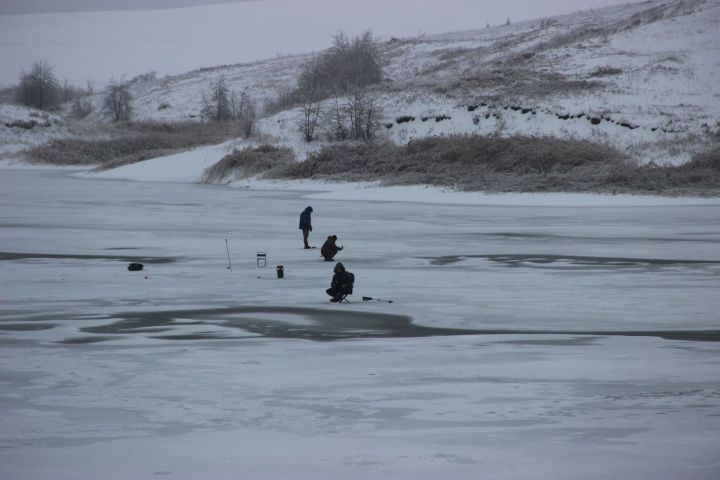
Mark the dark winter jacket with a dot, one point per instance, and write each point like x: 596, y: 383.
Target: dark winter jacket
x: 342, y: 281
x: 305, y: 221
x: 329, y: 248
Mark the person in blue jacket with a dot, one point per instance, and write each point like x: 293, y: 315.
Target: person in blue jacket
x: 306, y: 225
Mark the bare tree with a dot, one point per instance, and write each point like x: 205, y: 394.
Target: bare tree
x: 311, y: 111
x: 246, y: 114
x: 351, y: 63
x: 309, y: 94
x: 244, y: 111
x: 39, y: 87
x: 354, y: 116
x: 335, y: 120
x: 117, y: 101
x: 223, y: 104
x: 218, y: 104
x: 83, y: 106
x: 372, y: 117
x: 347, y: 64
x: 363, y: 114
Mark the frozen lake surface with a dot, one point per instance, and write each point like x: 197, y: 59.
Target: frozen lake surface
x: 522, y: 342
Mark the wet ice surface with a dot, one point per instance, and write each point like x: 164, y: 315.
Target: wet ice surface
x: 522, y: 342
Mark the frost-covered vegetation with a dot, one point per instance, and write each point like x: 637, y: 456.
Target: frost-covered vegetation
x: 131, y: 142
x: 248, y: 162
x: 522, y: 164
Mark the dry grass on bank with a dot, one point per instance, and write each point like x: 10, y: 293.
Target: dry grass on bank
x: 475, y: 163
x: 132, y: 142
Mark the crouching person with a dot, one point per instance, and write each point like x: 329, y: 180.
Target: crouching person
x: 330, y: 248
x: 342, y: 283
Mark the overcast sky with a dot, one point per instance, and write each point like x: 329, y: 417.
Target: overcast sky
x: 98, y: 44
x: 46, y: 6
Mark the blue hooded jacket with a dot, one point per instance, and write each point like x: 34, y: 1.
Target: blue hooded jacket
x: 305, y: 222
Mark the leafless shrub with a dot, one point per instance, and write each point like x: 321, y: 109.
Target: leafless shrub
x: 363, y: 114
x: 350, y: 63
x: 244, y: 112
x: 335, y: 121
x: 247, y: 163
x: 217, y: 105
x: 354, y: 116
x: 39, y: 88
x: 309, y: 93
x: 346, y: 66
x: 309, y: 114
x: 223, y: 104
x: 117, y: 101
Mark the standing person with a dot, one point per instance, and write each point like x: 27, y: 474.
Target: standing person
x: 330, y: 248
x: 306, y: 225
x: 342, y: 283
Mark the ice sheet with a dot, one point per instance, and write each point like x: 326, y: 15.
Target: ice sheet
x: 523, y: 342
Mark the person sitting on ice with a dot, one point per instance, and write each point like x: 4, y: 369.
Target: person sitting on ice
x: 330, y: 248
x: 342, y: 283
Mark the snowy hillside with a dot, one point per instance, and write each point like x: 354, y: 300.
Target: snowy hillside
x: 639, y: 77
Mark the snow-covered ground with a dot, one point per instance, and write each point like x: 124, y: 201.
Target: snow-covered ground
x: 654, y: 96
x: 505, y: 353
x: 22, y: 128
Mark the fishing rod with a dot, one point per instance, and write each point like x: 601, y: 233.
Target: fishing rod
x: 229, y: 267
x: 371, y: 299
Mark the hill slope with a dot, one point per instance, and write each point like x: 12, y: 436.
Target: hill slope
x: 640, y: 78
x: 646, y: 73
